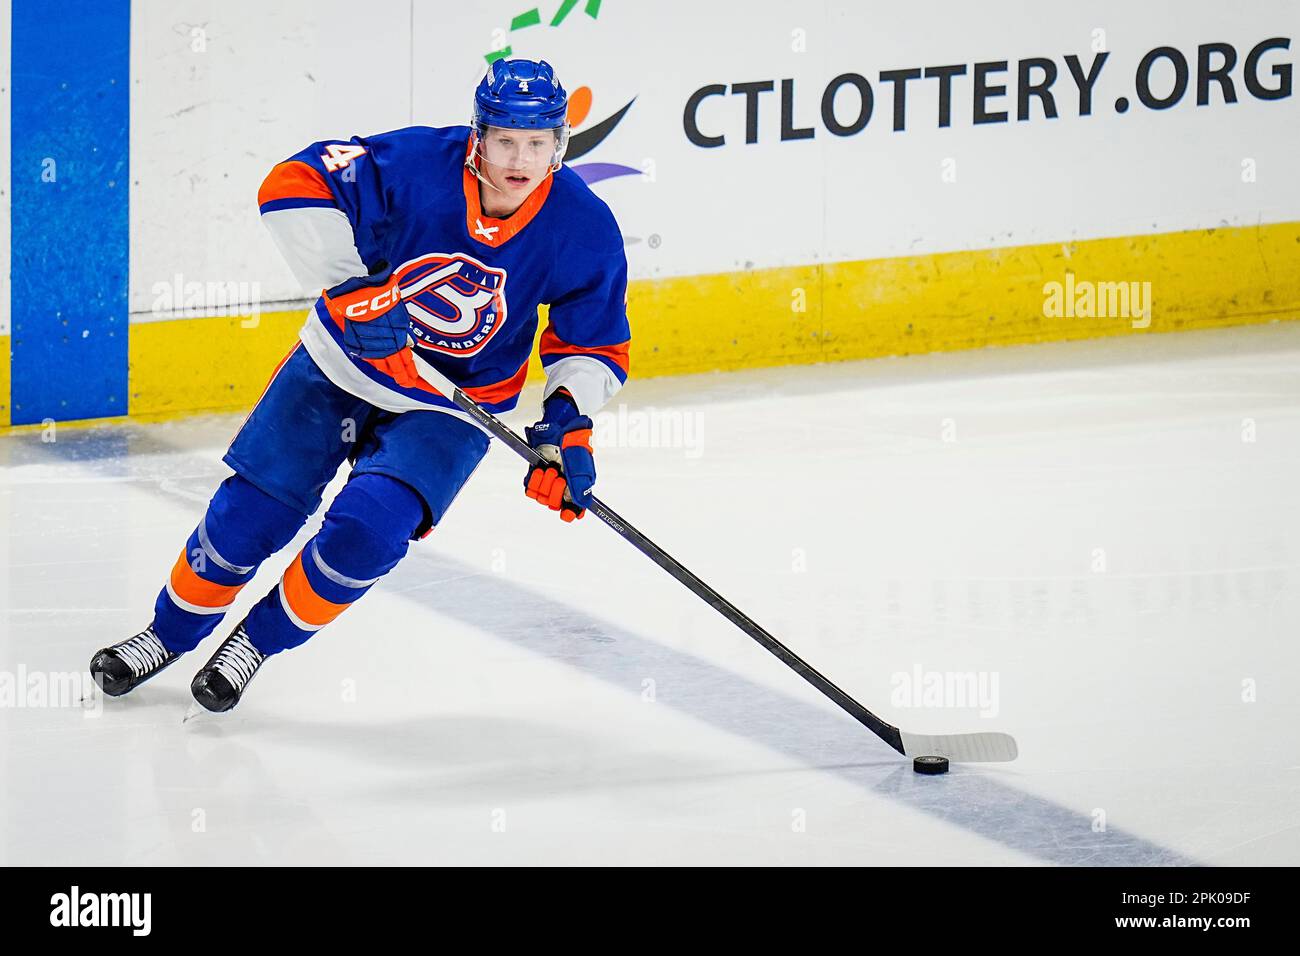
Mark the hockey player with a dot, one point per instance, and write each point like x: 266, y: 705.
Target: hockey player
x: 440, y: 240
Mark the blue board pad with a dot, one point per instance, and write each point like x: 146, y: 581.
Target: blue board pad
x: 69, y: 152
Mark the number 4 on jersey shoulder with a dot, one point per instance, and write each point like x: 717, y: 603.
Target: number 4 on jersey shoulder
x: 338, y: 155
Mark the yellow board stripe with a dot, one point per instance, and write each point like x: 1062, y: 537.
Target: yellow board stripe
x: 1198, y: 279
x: 958, y: 300
x: 4, y: 383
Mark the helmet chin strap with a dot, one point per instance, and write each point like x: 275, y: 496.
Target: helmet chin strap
x: 471, y: 163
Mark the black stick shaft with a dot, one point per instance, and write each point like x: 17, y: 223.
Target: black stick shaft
x: 886, y: 732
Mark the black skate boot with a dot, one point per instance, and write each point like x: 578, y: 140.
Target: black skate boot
x: 130, y: 663
x: 221, y: 682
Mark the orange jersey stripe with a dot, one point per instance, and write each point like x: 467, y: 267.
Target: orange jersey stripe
x: 552, y: 344
x: 293, y: 180
x: 488, y: 394
x: 500, y: 391
x: 306, y: 603
x: 193, y: 589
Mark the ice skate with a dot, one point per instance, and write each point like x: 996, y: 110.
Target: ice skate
x: 128, y: 664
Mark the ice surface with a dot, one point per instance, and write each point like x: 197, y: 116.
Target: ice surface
x: 1104, y: 533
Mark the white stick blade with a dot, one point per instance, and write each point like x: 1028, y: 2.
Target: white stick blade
x: 962, y: 748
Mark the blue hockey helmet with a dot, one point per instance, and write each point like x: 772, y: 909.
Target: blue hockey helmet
x: 522, y: 94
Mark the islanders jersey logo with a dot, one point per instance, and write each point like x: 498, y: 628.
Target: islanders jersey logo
x: 456, y: 303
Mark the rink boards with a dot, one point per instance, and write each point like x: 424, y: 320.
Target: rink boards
x: 783, y: 201
x: 852, y: 310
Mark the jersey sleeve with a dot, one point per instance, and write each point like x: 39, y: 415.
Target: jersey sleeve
x: 323, y: 207
x: 584, y: 347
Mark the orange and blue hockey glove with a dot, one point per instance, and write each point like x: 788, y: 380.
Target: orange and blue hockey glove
x: 375, y: 323
x: 563, y: 438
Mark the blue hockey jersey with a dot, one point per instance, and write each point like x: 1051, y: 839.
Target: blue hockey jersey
x: 472, y: 284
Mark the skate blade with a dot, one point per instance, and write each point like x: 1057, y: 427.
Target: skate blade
x: 193, y: 711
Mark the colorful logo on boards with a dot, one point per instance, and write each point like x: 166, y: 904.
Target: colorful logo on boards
x: 581, y: 141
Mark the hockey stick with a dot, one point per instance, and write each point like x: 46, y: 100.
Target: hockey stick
x: 965, y: 748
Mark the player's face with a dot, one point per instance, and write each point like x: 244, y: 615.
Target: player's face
x: 516, y: 160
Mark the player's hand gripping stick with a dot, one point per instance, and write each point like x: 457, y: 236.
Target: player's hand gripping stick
x: 375, y: 323
x: 563, y: 438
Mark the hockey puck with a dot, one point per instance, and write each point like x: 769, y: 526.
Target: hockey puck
x: 930, y: 765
